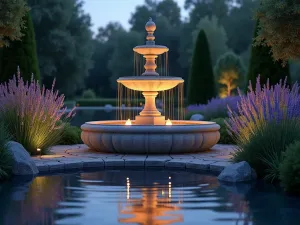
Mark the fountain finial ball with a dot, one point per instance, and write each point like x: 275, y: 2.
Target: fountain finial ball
x: 150, y: 26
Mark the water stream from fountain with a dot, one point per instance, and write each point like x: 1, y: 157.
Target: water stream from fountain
x: 171, y: 101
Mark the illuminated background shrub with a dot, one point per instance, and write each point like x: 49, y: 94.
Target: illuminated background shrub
x: 33, y: 114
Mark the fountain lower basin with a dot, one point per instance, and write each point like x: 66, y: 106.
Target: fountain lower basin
x: 180, y: 137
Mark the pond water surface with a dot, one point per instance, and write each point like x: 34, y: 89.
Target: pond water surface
x: 150, y: 197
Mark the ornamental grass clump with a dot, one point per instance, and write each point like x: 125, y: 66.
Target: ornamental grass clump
x: 34, y: 115
x: 266, y: 122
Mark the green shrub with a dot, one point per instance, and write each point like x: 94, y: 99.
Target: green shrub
x: 5, y: 158
x: 71, y: 135
x: 21, y: 54
x: 201, y: 85
x: 89, y: 94
x: 225, y: 137
x: 264, y: 148
x: 229, y: 73
x: 289, y: 169
x: 261, y: 62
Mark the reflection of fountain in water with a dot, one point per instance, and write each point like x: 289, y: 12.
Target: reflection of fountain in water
x: 153, y: 208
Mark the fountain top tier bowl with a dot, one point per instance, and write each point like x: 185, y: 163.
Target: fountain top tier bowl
x: 150, y: 48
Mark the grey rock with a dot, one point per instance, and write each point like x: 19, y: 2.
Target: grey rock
x: 108, y: 106
x: 237, y: 172
x: 197, y: 117
x: 22, y: 163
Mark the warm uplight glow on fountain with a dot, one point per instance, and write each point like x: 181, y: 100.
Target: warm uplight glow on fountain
x: 169, y: 123
x: 128, y: 122
x: 156, y: 130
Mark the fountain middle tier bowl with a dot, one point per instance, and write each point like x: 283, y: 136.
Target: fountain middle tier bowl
x: 150, y: 83
x: 180, y: 137
x: 150, y: 49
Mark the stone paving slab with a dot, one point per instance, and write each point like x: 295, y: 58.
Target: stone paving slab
x: 70, y: 157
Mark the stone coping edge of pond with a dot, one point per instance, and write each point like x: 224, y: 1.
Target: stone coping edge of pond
x: 80, y: 158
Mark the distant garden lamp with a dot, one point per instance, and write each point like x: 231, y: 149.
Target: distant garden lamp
x: 39, y: 151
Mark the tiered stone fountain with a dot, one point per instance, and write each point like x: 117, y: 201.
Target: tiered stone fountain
x: 150, y: 132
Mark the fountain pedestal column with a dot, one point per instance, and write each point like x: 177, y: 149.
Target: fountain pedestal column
x: 150, y: 115
x: 150, y: 66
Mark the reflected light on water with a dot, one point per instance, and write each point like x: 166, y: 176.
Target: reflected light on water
x: 128, y: 188
x: 151, y: 209
x: 144, y: 198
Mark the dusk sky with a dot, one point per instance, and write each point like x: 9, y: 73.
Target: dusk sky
x: 104, y: 11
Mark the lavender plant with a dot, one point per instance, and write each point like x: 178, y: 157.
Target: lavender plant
x: 34, y: 115
x: 216, y: 107
x: 266, y: 122
x: 261, y: 106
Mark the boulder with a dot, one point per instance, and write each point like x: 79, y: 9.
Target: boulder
x: 197, y: 117
x: 108, y: 106
x: 237, y: 172
x: 22, y: 163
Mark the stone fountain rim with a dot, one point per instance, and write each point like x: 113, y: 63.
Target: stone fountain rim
x: 151, y: 46
x: 148, y: 77
x: 190, y: 127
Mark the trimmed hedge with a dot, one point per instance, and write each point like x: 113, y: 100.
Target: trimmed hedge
x: 201, y: 85
x: 21, y: 54
x: 102, y: 102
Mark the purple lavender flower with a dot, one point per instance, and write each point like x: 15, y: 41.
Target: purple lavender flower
x: 265, y: 104
x: 32, y: 112
x: 216, y: 107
